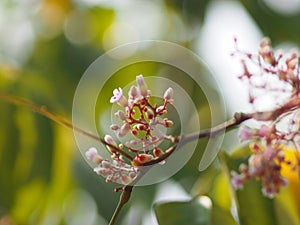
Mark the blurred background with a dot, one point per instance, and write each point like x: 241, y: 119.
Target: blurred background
x: 45, y: 47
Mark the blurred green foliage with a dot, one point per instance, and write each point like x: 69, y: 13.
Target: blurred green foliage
x: 43, y: 177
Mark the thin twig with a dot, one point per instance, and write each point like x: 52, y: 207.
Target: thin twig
x: 211, y: 133
x: 54, y: 117
x: 124, y: 198
x: 126, y: 193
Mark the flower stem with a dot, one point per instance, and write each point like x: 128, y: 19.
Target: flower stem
x: 124, y: 198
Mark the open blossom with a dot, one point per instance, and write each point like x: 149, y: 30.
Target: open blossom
x: 245, y: 133
x: 92, y: 154
x: 119, y: 97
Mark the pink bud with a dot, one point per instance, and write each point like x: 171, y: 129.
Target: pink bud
x: 108, y: 139
x: 161, y: 110
x: 124, y: 130
x: 103, y: 171
x: 134, y: 93
x: 90, y: 154
x: 168, y: 95
x: 114, y: 127
x: 120, y: 114
x: 142, y: 85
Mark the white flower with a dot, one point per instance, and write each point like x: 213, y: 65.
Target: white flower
x: 119, y: 97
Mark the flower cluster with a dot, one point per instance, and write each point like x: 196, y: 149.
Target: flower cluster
x: 142, y: 122
x: 272, y: 77
x: 116, y: 171
x: 278, y: 76
x: 266, y: 161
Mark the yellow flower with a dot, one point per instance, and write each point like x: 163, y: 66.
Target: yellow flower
x: 292, y: 172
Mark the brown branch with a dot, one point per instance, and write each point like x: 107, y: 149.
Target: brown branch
x: 237, y: 119
x: 124, y: 198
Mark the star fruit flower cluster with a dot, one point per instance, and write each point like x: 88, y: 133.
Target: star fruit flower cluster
x: 142, y: 122
x: 277, y: 76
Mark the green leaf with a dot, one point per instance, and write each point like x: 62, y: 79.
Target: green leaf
x: 178, y: 213
x: 250, y: 201
x: 278, y: 26
x: 220, y: 216
x: 286, y: 207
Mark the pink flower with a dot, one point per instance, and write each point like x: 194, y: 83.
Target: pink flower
x: 264, y: 131
x: 119, y: 97
x: 236, y: 180
x: 91, y: 153
x: 245, y: 133
x: 93, y: 156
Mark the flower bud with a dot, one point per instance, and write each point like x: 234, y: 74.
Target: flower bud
x: 106, y: 164
x: 124, y: 130
x: 108, y: 139
x: 93, y: 156
x: 103, y: 171
x: 134, y: 93
x: 114, y: 127
x: 142, y: 85
x: 120, y: 114
x: 141, y: 158
x: 157, y: 152
x: 134, y: 132
x: 161, y: 110
x: 168, y: 123
x: 132, y: 175
x: 168, y: 95
x: 125, y: 179
x: 140, y: 127
x: 266, y: 51
x: 149, y: 114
